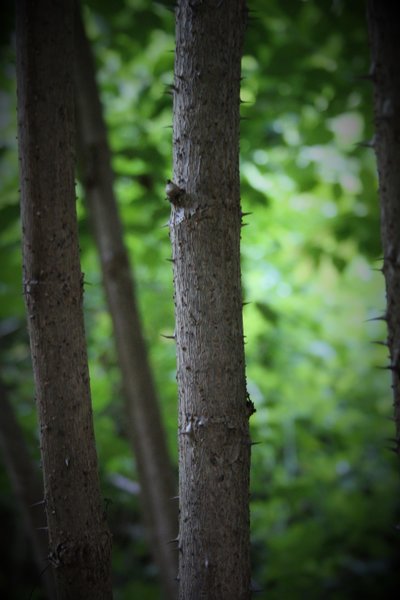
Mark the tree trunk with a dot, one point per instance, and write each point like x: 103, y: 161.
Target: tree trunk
x: 27, y: 489
x: 385, y: 73
x: 205, y: 226
x: 145, y: 426
x: 80, y: 542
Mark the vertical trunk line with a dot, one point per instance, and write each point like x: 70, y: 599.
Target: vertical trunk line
x: 80, y: 541
x: 145, y: 429
x: 385, y: 73
x: 214, y: 447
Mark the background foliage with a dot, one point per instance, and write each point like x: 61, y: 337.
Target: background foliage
x: 324, y: 485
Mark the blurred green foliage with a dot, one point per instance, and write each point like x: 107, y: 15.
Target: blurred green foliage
x: 325, y: 487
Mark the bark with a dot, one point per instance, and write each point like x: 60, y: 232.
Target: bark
x: 145, y: 426
x: 80, y: 542
x: 27, y: 488
x: 205, y: 223
x: 385, y: 73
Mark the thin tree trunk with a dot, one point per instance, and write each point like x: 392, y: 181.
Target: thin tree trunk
x: 384, y: 27
x: 80, y: 542
x: 145, y: 426
x: 205, y: 226
x: 27, y: 489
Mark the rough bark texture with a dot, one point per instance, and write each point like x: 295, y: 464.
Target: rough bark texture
x: 144, y: 419
x: 385, y: 73
x: 27, y: 488
x: 80, y: 542
x: 205, y: 234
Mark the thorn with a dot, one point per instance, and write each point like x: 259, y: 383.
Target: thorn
x: 174, y: 498
x: 172, y: 260
x: 168, y: 337
x: 366, y: 143
x: 370, y: 76
x: 386, y: 368
x: 243, y: 224
x: 381, y: 270
x: 364, y: 77
x: 174, y: 541
x: 254, y: 443
x: 244, y: 214
x: 245, y: 303
x: 166, y: 225
x: 379, y: 343
x: 38, y: 503
x: 382, y: 318
x: 393, y: 440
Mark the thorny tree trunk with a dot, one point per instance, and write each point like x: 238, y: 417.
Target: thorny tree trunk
x: 80, y: 542
x: 385, y: 73
x: 27, y: 489
x: 205, y: 226
x: 144, y: 419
